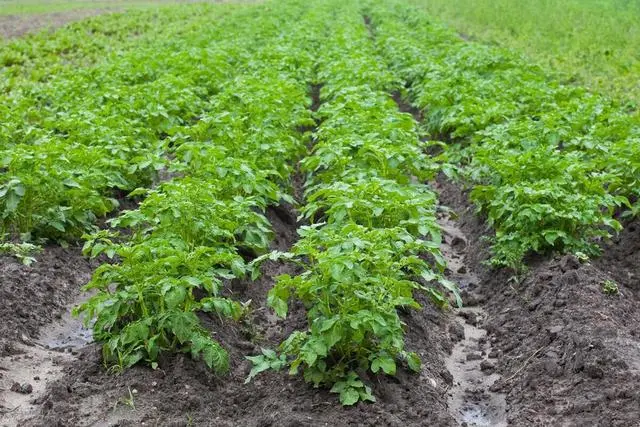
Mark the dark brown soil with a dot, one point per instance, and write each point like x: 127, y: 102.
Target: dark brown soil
x: 568, y: 353
x: 621, y: 257
x: 34, y: 296
x: 563, y: 352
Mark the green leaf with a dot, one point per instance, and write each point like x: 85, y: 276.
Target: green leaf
x: 260, y: 364
x: 414, y: 362
x: 349, y: 396
x: 57, y: 225
x: 19, y: 189
x: 387, y: 364
x: 279, y: 306
x: 12, y: 199
x: 71, y: 183
x: 175, y: 297
x: 270, y: 354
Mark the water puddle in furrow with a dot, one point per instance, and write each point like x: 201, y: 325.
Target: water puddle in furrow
x: 472, y: 361
x: 66, y: 334
x: 34, y: 363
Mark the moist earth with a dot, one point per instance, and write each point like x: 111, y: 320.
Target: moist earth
x: 35, y: 299
x: 568, y: 353
x: 34, y: 296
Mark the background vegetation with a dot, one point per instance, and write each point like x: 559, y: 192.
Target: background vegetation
x: 594, y: 41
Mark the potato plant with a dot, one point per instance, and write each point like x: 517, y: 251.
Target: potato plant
x: 202, y: 115
x: 71, y: 141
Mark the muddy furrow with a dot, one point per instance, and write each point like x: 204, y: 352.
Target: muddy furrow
x: 470, y: 363
x: 34, y: 302
x: 472, y: 397
x: 566, y: 352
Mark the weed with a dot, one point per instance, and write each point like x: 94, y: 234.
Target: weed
x: 609, y: 287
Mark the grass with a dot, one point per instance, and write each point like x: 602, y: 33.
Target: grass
x: 592, y: 41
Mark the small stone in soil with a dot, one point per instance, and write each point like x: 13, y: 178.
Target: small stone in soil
x: 25, y: 388
x: 487, y: 366
x: 594, y: 371
x: 456, y: 330
x: 496, y: 386
x: 569, y: 262
x: 494, y: 353
x: 554, y: 331
x: 474, y: 356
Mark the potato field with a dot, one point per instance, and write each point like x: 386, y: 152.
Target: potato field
x: 310, y: 213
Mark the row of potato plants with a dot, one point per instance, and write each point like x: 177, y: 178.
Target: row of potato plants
x: 196, y: 232
x: 373, y: 240
x: 72, y: 142
x: 551, y: 165
x: 40, y: 56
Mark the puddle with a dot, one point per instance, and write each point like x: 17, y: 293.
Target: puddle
x: 66, y: 334
x: 33, y: 364
x: 470, y: 399
x: 471, y: 362
x: 454, y: 244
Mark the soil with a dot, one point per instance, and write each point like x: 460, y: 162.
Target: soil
x: 549, y: 348
x: 621, y: 257
x: 18, y: 25
x: 36, y: 299
x: 34, y: 296
x: 568, y: 354
x: 472, y: 399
